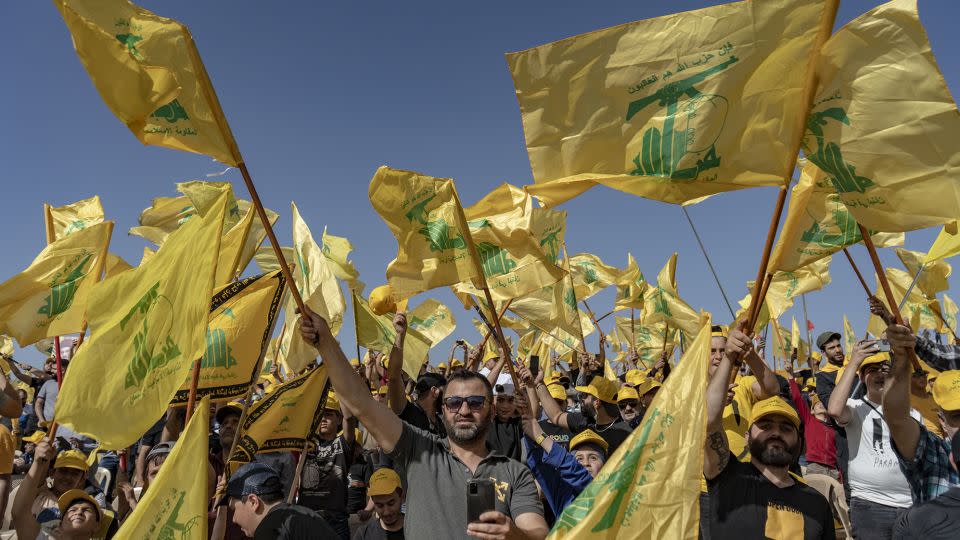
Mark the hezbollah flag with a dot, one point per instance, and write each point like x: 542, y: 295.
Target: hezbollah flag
x: 849, y: 336
x: 162, y: 217
x: 375, y: 332
x: 918, y: 311
x: 591, y: 275
x: 242, y: 316
x: 785, y: 286
x: 662, y: 304
x: 946, y: 245
x: 650, y: 487
x: 284, y: 418
x: 663, y: 108
x: 148, y: 71
x: 934, y: 274
x: 553, y: 310
x: 321, y: 292
x: 66, y: 220
x: 175, y: 506
x: 336, y: 249
x: 147, y: 327
x: 884, y: 127
x: 115, y: 265
x: 50, y: 296
x: 818, y: 224
x: 432, y: 320
x: 631, y: 286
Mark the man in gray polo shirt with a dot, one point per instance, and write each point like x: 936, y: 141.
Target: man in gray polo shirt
x: 437, y: 470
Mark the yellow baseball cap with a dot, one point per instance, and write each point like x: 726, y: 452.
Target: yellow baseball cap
x: 456, y: 363
x: 647, y: 386
x: 878, y: 358
x: 35, y: 437
x: 354, y: 362
x: 381, y: 300
x: 557, y: 391
x: 383, y: 481
x: 442, y: 365
x: 719, y: 331
x: 71, y: 459
x: 600, y: 388
x: 588, y: 436
x: 553, y: 378
x: 816, y: 356
x: 333, y: 402
x: 946, y: 390
x: 634, y: 377
x: 774, y: 406
x: 73, y: 495
x: 627, y: 392
x: 382, y: 390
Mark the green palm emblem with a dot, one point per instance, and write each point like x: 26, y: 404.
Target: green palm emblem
x: 218, y: 353
x: 171, y: 529
x: 494, y: 259
x: 588, y: 272
x: 660, y: 304
x: 63, y: 291
x: 551, y: 244
x: 827, y: 157
x: 171, y: 112
x: 849, y: 230
x: 416, y: 323
x: 130, y: 41
x: 419, y: 211
x: 661, y: 152
x: 570, y: 299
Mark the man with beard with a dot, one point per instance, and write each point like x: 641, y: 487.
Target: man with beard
x: 831, y: 347
x: 629, y: 403
x: 879, y: 491
x: 438, y: 470
x: 323, y: 483
x: 387, y: 495
x: 759, y: 498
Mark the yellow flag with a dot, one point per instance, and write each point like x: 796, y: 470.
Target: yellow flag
x: 320, y: 291
x: 949, y: 312
x: 794, y: 333
x: 553, y: 310
x: 432, y: 320
x: 147, y: 327
x: 669, y: 121
x: 591, y: 275
x: 884, y: 126
x: 163, y: 217
x: 818, y: 224
x: 375, y: 332
x: 933, y: 279
x: 336, y: 249
x: 231, y: 249
x: 785, y: 286
x: 918, y: 310
x: 266, y: 259
x: 631, y: 286
x: 528, y: 344
x: 50, y: 296
x: 283, y: 419
x: 175, y: 506
x: 74, y: 217
x: 204, y: 194
x: 662, y: 304
x: 242, y: 316
x: 783, y: 344
x: 256, y: 235
x: 946, y: 245
x: 115, y: 265
x: 148, y: 71
x: 850, y: 338
x: 650, y: 487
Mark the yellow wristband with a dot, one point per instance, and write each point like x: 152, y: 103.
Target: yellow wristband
x: 541, y: 438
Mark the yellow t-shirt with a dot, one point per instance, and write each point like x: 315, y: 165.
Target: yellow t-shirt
x: 7, y: 448
x: 928, y: 410
x: 736, y: 420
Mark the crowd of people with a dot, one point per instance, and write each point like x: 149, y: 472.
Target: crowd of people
x: 863, y: 440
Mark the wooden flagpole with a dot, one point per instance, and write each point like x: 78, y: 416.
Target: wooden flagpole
x: 856, y: 271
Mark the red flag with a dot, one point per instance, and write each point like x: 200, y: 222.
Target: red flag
x: 809, y: 325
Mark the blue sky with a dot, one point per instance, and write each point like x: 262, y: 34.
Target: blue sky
x: 319, y: 94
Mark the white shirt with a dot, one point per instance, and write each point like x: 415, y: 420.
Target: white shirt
x: 874, y: 471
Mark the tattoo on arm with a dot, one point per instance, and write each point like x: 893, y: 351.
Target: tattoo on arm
x: 718, y: 443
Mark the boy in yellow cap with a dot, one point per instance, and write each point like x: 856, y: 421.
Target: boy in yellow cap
x: 81, y: 518
x: 758, y: 498
x: 386, y: 492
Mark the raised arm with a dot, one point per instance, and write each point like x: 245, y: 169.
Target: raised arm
x: 766, y: 385
x: 837, y: 407
x: 385, y: 426
x: 904, y: 430
x: 395, y: 387
x: 15, y: 369
x: 23, y: 519
x: 716, y: 453
x: 497, y: 368
x: 10, y: 405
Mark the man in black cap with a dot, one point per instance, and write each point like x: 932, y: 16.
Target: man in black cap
x: 255, y: 494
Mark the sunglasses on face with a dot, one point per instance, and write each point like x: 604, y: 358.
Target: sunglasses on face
x: 453, y: 403
x: 625, y: 404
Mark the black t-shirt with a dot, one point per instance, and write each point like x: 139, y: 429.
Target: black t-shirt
x: 372, y: 530
x: 323, y: 484
x: 290, y: 522
x: 744, y: 504
x: 558, y: 434
x: 614, y: 433
x: 933, y: 520
x: 414, y: 415
x: 504, y: 437
x: 152, y: 437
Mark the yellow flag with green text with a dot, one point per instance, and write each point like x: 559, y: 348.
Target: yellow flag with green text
x: 242, y: 316
x: 591, y: 275
x: 631, y: 286
x: 432, y: 320
x: 320, y: 290
x: 884, y: 127
x: 74, y: 217
x: 933, y: 279
x: 162, y: 217
x: 918, y: 311
x: 175, y: 506
x: 50, y: 296
x: 147, y: 326
x: 650, y: 487
x: 787, y: 285
x: 284, y: 418
x: 663, y: 108
x: 553, y: 310
x: 662, y: 304
x: 148, y: 71
x: 818, y: 224
x: 375, y: 332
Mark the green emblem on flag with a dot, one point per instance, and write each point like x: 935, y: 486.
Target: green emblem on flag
x: 64, y: 286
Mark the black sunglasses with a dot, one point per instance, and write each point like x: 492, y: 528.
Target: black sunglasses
x: 625, y: 404
x: 453, y: 403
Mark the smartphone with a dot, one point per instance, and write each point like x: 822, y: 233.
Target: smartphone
x: 479, y: 498
x: 883, y: 345
x: 534, y: 365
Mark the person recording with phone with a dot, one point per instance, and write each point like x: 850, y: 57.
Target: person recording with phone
x: 438, y: 471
